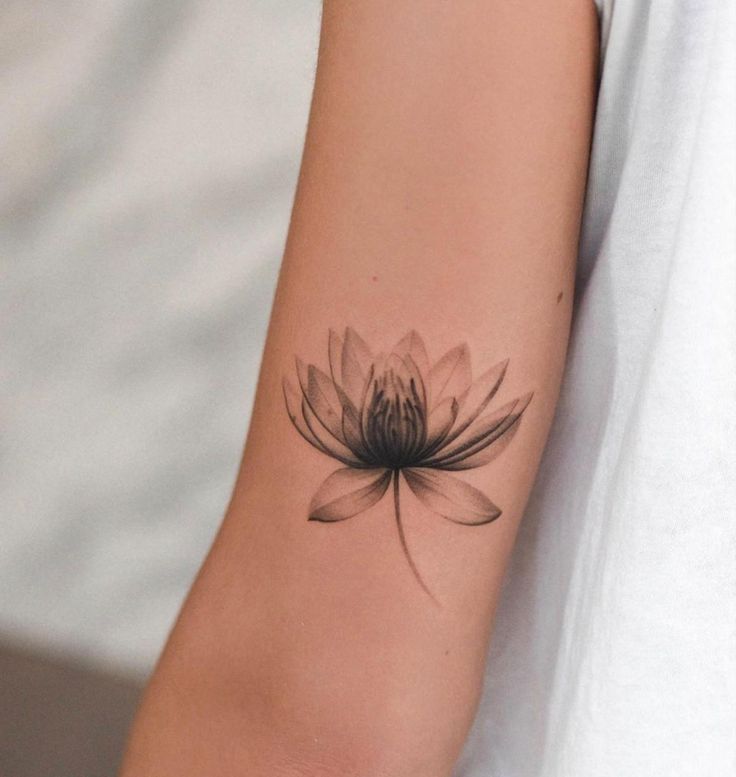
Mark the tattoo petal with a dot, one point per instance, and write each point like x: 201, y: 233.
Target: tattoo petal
x: 294, y: 400
x: 320, y: 394
x: 483, y: 454
x: 483, y: 432
x: 451, y: 498
x: 412, y: 345
x: 334, y: 352
x: 476, y: 398
x: 354, y: 365
x: 328, y: 444
x: 347, y: 492
x: 353, y: 434
x: 441, y: 420
x: 451, y: 375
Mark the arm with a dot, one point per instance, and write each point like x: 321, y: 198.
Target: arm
x: 440, y: 192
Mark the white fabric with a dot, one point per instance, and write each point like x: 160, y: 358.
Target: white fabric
x: 615, y: 648
x: 149, y: 153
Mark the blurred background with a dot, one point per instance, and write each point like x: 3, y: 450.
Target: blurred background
x: 149, y: 153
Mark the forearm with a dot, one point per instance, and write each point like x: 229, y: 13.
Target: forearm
x: 440, y: 192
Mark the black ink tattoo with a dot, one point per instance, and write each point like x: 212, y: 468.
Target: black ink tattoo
x: 390, y: 416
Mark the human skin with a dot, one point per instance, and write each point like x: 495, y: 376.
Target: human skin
x: 440, y: 191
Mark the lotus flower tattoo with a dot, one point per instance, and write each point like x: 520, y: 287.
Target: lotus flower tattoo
x: 388, y: 417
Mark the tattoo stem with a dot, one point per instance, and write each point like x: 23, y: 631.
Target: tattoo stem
x: 402, y: 537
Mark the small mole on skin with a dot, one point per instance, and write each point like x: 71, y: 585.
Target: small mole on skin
x: 559, y: 297
x: 447, y: 652
x: 374, y: 278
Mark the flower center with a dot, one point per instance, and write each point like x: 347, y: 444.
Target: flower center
x: 394, y: 417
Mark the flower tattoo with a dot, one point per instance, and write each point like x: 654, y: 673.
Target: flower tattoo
x: 387, y: 417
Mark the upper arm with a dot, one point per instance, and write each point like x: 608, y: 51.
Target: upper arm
x: 441, y: 191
